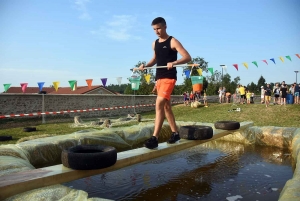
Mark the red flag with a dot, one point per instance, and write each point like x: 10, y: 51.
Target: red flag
x: 23, y: 86
x: 236, y: 66
x: 265, y: 61
x: 298, y: 55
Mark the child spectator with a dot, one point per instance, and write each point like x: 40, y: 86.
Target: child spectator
x: 248, y: 96
x: 268, y: 95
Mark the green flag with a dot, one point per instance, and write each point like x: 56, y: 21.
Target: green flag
x: 6, y: 87
x: 255, y: 63
x: 72, y: 84
x: 211, y: 70
x: 289, y: 58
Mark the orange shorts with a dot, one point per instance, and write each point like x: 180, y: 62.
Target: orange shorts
x: 165, y: 87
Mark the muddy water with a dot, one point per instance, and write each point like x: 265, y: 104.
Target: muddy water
x: 212, y: 171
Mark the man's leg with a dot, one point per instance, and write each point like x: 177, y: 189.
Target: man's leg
x: 160, y: 115
x: 170, y: 116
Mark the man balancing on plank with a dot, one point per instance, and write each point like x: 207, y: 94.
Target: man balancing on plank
x: 165, y: 54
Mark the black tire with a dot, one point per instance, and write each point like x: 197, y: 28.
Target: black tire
x: 196, y: 132
x: 227, y: 125
x: 29, y: 129
x: 89, y: 157
x: 5, y: 138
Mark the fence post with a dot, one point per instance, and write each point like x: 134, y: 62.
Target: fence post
x: 43, y: 109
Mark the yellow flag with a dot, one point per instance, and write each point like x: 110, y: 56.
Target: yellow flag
x: 147, y: 78
x: 199, y: 71
x: 281, y: 58
x: 56, y: 84
x: 246, y: 65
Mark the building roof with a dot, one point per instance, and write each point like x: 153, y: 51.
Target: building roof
x: 29, y: 90
x: 61, y: 90
x: 79, y: 90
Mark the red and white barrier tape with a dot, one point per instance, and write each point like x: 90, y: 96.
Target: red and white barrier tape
x: 71, y: 111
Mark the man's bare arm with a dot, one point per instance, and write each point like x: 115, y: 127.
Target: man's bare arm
x: 152, y: 62
x: 186, y: 57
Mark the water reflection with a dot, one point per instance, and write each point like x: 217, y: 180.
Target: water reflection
x: 212, y: 171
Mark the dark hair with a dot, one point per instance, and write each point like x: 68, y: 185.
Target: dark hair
x: 159, y: 20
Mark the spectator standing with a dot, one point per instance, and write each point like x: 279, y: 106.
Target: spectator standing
x: 297, y: 93
x: 268, y: 92
x: 262, y: 94
x: 276, y: 92
x: 283, y: 91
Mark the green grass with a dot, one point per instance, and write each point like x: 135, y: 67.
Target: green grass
x: 275, y: 115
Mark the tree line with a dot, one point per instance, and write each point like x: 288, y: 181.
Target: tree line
x: 211, y: 83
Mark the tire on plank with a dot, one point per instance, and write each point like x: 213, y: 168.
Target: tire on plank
x: 227, y: 125
x: 196, y: 132
x: 5, y: 137
x: 89, y: 157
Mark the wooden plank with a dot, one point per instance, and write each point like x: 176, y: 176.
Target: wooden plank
x: 32, y: 179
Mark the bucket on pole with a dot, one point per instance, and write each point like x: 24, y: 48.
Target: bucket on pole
x: 135, y: 81
x: 197, y: 82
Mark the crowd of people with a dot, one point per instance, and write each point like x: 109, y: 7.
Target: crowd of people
x: 279, y: 93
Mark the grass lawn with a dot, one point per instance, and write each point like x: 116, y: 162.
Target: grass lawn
x: 275, y: 115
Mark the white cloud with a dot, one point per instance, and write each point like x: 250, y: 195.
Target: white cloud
x: 80, y: 5
x: 118, y: 28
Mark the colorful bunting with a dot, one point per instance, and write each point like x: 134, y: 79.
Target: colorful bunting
x: 147, y: 78
x: 265, y: 61
x: 255, y: 63
x: 119, y: 79
x: 273, y: 60
x: 298, y: 55
x: 236, y: 66
x: 187, y: 73
x: 281, y: 58
x: 72, y: 84
x: 6, y: 87
x: 23, y: 86
x: 89, y: 83
x: 211, y: 70
x: 104, y: 80
x: 199, y: 70
x: 41, y: 84
x: 56, y: 85
x: 289, y: 58
x: 246, y: 65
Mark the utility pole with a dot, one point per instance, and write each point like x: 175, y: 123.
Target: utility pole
x: 296, y: 75
x: 222, y: 66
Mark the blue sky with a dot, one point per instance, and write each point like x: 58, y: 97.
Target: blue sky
x: 62, y: 40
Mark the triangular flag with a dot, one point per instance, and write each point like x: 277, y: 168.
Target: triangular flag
x: 281, y: 58
x: 273, y: 60
x: 265, y: 61
x: 147, y: 78
x: 255, y: 63
x: 89, y: 83
x: 41, y: 84
x: 119, y: 79
x: 211, y: 70
x: 246, y: 65
x: 187, y: 73
x: 199, y: 70
x: 72, y: 84
x: 24, y: 86
x: 6, y: 87
x: 56, y: 84
x: 289, y: 58
x: 104, y: 81
x: 236, y: 66
x: 298, y: 55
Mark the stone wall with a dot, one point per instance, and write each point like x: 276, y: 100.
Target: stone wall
x: 30, y: 103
